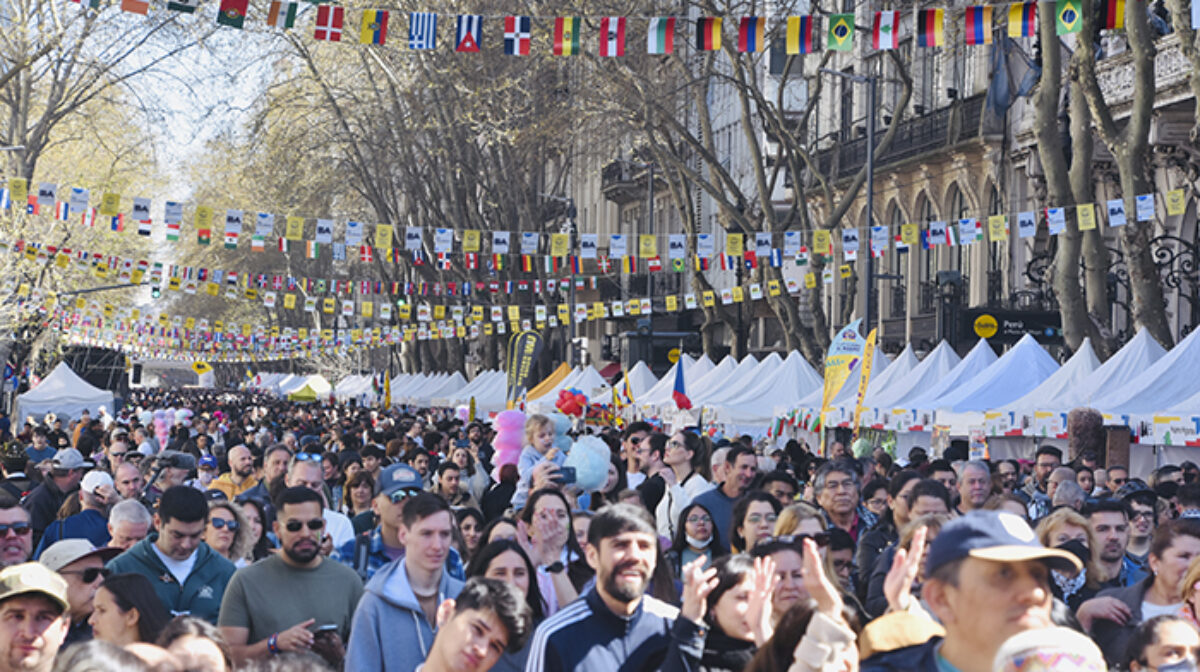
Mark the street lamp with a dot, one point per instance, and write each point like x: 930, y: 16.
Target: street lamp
x: 872, y: 82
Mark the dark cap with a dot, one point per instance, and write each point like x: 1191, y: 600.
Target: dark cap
x: 399, y: 477
x: 993, y: 535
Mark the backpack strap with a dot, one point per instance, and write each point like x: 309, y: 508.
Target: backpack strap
x: 362, y: 554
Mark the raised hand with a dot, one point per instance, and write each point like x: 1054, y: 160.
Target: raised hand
x: 765, y: 580
x: 697, y: 584
x: 817, y: 583
x: 906, y: 565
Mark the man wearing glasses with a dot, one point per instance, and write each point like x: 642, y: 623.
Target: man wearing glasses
x: 16, y: 534
x: 836, y: 487
x: 371, y: 550
x: 82, y: 565
x: 306, y: 471
x: 294, y: 600
x: 1142, y: 520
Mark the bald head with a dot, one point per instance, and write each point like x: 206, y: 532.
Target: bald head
x: 1058, y: 476
x: 241, y: 461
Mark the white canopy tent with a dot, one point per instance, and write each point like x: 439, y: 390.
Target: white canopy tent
x: 641, y: 379
x: 848, y: 395
x: 977, y: 360
x: 693, y: 371
x: 846, y: 400
x: 449, y: 385
x: 63, y: 393
x: 936, y: 366
x: 316, y: 381
x: 1022, y: 368
x: 1065, y: 383
x: 1162, y: 385
x: 793, y: 380
x: 479, y: 383
x: 744, y: 376
x: 720, y: 375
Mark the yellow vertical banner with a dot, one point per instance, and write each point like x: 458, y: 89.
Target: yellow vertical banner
x: 843, y: 357
x: 672, y: 303
x: 18, y: 191
x: 110, y: 204
x: 294, y: 229
x: 647, y: 246
x: 559, y: 244
x: 383, y: 236
x: 864, y: 377
x: 204, y: 216
x: 998, y: 228
x: 910, y: 234
x: 821, y: 243
x: 289, y: 301
x: 1085, y: 215
x: 470, y: 240
x: 1176, y: 203
x: 734, y: 244
x: 810, y: 280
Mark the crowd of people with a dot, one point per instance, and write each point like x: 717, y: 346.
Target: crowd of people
x: 262, y: 535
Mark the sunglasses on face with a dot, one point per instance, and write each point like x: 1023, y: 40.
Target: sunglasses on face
x: 296, y: 525
x: 401, y: 495
x: 821, y: 539
x: 231, y: 525
x: 90, y: 574
x: 19, y: 529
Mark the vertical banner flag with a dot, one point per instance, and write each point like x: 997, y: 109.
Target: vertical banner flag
x: 1085, y: 216
x: 998, y: 228
x: 885, y: 34
x: 185, y: 6
x: 374, y: 26
x: 1026, y: 224
x: 708, y: 33
x: 978, y: 28
x: 1116, y: 212
x: 931, y: 27
x: 329, y: 23
x: 752, y: 34
x: 516, y: 35
x: 1022, y: 19
x: 523, y: 350
x: 1067, y: 18
x: 841, y: 32
x: 1112, y: 14
x: 799, y: 38
x: 468, y: 33
x: 679, y: 392
x: 282, y: 14
x: 660, y: 36
x: 566, y: 35
x: 232, y: 13
x: 612, y: 36
x: 864, y: 377
x: 422, y: 31
x: 842, y: 359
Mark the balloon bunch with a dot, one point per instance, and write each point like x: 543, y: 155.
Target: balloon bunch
x: 571, y: 402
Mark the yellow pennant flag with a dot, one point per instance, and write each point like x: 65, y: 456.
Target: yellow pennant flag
x: 910, y: 234
x: 110, y: 204
x: 559, y: 244
x: 294, y: 229
x: 734, y: 244
x: 738, y: 294
x: 383, y: 236
x: 327, y: 306
x: 845, y: 270
x: 289, y: 301
x: 647, y: 246
x: 822, y: 244
x: 810, y: 280
x: 204, y: 216
x: 1176, y: 203
x: 1085, y: 214
x: 773, y: 288
x: 709, y: 298
x: 18, y: 191
x: 470, y: 240
x: 672, y: 303
x: 998, y: 228
x: 367, y: 308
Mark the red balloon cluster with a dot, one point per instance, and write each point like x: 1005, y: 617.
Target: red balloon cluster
x: 571, y: 402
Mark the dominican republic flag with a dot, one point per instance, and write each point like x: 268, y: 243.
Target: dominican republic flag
x: 468, y: 32
x: 422, y: 31
x: 679, y: 394
x: 612, y: 36
x: 516, y: 35
x: 886, y: 33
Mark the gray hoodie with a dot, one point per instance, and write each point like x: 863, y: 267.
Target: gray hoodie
x: 389, y: 631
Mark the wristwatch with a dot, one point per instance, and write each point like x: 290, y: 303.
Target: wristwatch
x: 555, y: 567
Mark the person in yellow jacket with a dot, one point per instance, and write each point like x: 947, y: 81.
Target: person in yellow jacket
x: 240, y: 476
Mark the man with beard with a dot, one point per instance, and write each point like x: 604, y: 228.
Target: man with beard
x: 277, y: 604
x: 1007, y: 472
x: 240, y: 476
x: 1109, y: 520
x: 128, y: 481
x: 615, y: 625
x: 740, y: 467
x: 393, y: 627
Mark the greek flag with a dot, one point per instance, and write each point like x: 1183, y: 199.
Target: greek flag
x: 422, y: 30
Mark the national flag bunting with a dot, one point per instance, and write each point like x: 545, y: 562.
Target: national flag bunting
x: 422, y: 31
x: 660, y: 36
x: 468, y: 33
x: 708, y: 33
x: 1112, y: 14
x: 841, y: 32
x: 678, y: 393
x: 885, y: 34
x: 1067, y: 19
x: 978, y: 27
x: 931, y: 29
x: 752, y: 34
x: 566, y: 35
x: 329, y: 23
x: 612, y: 36
x: 135, y: 6
x: 185, y: 6
x: 282, y: 14
x: 232, y: 13
x: 374, y: 27
x: 799, y: 39
x: 516, y: 35
x: 1022, y: 19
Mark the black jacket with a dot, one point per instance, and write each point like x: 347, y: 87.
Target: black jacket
x: 1113, y: 639
x: 870, y: 547
x: 723, y: 653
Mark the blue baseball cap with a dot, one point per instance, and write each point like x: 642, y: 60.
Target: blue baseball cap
x: 207, y: 462
x: 399, y: 477
x: 997, y: 536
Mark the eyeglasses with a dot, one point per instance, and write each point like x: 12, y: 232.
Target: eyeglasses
x: 90, y: 574
x: 821, y: 539
x: 699, y: 519
x: 1142, y: 514
x: 19, y: 529
x: 314, y: 524
x: 676, y: 443
x: 1120, y: 481
x: 231, y: 525
x: 403, y: 494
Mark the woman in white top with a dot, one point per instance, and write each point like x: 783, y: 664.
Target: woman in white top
x: 687, y: 462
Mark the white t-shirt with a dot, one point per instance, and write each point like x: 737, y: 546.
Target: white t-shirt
x: 339, y: 528
x: 1149, y: 610
x: 180, y: 569
x: 635, y: 479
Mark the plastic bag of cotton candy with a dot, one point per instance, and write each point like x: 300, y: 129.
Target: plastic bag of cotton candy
x: 589, y: 458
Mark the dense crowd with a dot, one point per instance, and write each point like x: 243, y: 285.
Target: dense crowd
x: 236, y: 531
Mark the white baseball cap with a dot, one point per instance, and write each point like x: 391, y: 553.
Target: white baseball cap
x: 95, y: 479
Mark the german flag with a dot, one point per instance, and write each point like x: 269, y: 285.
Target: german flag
x: 1112, y: 13
x: 708, y: 33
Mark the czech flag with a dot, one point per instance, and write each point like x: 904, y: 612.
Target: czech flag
x: 678, y: 394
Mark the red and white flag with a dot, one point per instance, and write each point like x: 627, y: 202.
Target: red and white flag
x: 329, y: 23
x: 886, y: 33
x: 612, y: 36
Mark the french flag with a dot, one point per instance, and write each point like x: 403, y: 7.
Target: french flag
x: 678, y: 394
x: 62, y: 211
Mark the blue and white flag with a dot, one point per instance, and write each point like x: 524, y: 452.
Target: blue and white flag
x: 468, y: 32
x: 422, y: 30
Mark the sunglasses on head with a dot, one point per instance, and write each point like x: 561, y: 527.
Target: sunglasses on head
x: 401, y: 495
x: 296, y: 525
x: 19, y: 529
x: 90, y: 574
x: 821, y: 539
x: 308, y: 457
x: 219, y: 523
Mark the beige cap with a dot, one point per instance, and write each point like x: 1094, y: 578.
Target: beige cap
x: 64, y: 552
x: 33, y: 577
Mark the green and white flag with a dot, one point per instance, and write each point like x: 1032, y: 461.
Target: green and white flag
x: 185, y: 6
x: 282, y: 14
x: 660, y: 36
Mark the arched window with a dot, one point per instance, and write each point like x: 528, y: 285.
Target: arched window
x: 925, y: 215
x: 958, y: 210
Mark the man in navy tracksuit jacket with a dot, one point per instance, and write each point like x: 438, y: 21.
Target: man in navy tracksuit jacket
x: 615, y: 627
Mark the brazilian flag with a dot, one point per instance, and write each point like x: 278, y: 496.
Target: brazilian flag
x: 841, y: 32
x: 677, y: 265
x: 1067, y: 17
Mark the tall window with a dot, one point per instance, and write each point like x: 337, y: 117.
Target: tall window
x: 958, y: 210
x: 926, y: 267
x: 847, y: 107
x: 995, y: 207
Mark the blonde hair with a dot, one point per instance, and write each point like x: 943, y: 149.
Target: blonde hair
x: 532, y: 424
x: 793, y: 514
x: 1068, y: 516
x: 242, y: 542
x: 1189, y: 580
x: 932, y: 521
